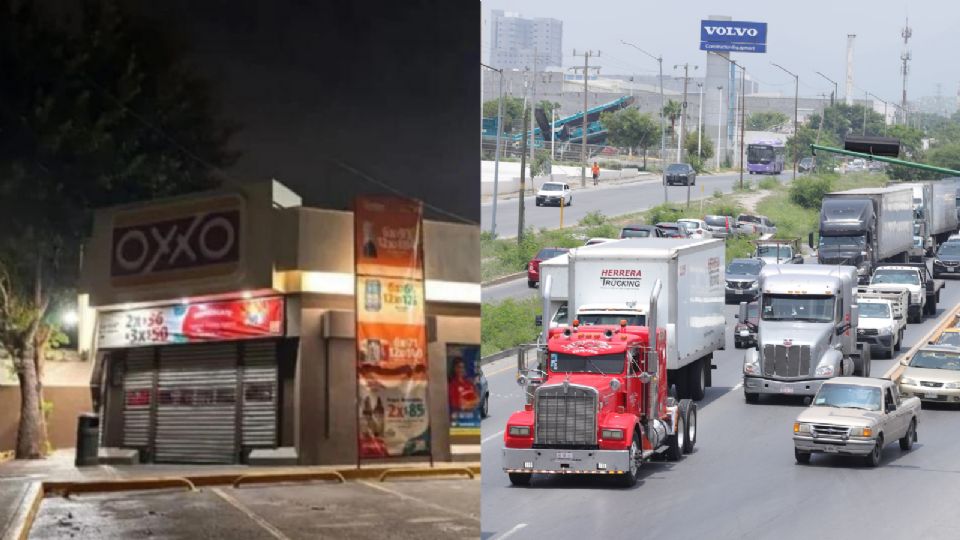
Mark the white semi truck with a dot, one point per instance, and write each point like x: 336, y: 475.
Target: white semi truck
x: 607, y: 283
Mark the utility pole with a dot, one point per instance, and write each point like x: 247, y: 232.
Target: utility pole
x: 523, y: 186
x: 905, y: 33
x: 863, y: 131
x: 533, y: 108
x: 663, y: 131
x: 719, y: 124
x: 833, y: 95
x: 683, y: 109
x: 796, y: 103
x: 496, y: 163
x: 700, y: 121
x: 583, y: 147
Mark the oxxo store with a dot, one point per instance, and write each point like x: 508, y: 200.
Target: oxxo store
x: 222, y: 325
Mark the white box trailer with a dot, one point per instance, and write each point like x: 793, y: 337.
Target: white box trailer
x: 623, y: 273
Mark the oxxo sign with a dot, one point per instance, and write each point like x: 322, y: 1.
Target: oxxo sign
x: 195, y: 239
x: 733, y: 36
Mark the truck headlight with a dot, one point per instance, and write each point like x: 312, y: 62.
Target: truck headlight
x: 861, y: 432
x: 908, y: 381
x: 519, y: 431
x: 799, y: 427
x: 825, y: 370
x: 915, y: 298
x: 612, y: 434
x: 951, y: 385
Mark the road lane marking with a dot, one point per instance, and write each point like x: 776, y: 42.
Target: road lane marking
x: 501, y: 370
x: 737, y: 387
x: 494, y: 436
x: 252, y: 515
x: 406, y: 497
x: 516, y: 528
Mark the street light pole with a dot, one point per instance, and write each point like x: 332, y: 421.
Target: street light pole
x: 700, y: 121
x: 496, y: 163
x: 719, y: 124
x: 663, y: 132
x: 796, y: 102
x: 833, y: 95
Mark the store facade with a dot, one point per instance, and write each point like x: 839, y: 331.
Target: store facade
x: 222, y: 326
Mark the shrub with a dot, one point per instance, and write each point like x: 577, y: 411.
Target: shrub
x: 508, y: 324
x: 593, y: 218
x: 717, y: 194
x: 738, y: 247
x: 664, y: 212
x: 769, y: 183
x: 808, y: 191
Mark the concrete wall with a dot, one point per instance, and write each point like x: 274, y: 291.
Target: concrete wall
x: 68, y: 402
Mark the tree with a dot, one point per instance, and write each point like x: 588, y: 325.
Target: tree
x: 706, y: 150
x: 841, y: 120
x: 629, y: 129
x: 95, y: 111
x: 512, y: 112
x: 672, y: 111
x: 765, y: 120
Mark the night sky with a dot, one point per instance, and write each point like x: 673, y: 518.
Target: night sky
x: 391, y: 88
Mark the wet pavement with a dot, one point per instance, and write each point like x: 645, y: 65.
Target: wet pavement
x: 414, y: 509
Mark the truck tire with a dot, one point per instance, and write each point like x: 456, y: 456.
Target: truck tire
x: 531, y: 284
x: 751, y: 398
x: 899, y: 340
x: 803, y: 458
x: 906, y: 443
x: 931, y: 306
x: 696, y: 377
x: 676, y: 441
x: 520, y: 478
x: 891, y: 351
x: 688, y: 410
x: 873, y: 458
x: 629, y: 477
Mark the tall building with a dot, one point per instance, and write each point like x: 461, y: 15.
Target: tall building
x: 514, y: 41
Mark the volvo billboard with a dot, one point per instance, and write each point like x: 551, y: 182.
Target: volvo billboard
x: 733, y: 36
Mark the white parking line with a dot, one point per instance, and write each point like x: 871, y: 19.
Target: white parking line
x: 516, y: 528
x: 406, y: 497
x: 494, y: 436
x: 250, y: 513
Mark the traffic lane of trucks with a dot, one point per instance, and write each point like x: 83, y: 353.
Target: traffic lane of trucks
x: 741, y: 473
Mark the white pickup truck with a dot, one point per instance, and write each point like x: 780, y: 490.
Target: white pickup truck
x: 856, y: 416
x: 882, y: 318
x: 914, y: 278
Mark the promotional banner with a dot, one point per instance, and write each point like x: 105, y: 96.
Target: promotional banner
x: 733, y: 36
x: 393, y: 418
x: 465, y: 386
x: 191, y: 323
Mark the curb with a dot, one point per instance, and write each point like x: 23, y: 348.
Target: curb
x: 897, y: 369
x: 503, y: 279
x: 25, y: 515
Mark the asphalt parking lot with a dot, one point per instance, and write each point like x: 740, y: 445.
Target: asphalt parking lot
x: 415, y: 509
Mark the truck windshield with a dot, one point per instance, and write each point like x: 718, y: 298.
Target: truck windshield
x: 898, y: 277
x: 744, y: 267
x: 851, y: 396
x: 936, y: 360
x: 853, y: 242
x: 592, y: 319
x: 781, y: 252
x: 874, y: 311
x: 601, y: 363
x: 807, y: 308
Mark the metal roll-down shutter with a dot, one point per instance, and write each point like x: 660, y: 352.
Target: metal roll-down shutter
x: 260, y: 394
x: 138, y: 396
x: 197, y: 404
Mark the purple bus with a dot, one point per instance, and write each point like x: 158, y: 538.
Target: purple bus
x: 765, y: 157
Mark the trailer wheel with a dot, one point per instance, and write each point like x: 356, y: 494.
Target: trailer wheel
x: 520, y: 478
x: 696, y: 377
x: 688, y: 410
x: 629, y: 478
x: 931, y: 306
x: 676, y: 441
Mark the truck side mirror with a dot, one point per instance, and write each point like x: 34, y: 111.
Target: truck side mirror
x: 742, y: 313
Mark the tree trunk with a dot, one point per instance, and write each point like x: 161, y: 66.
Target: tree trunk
x: 30, y: 433
x: 644, y: 158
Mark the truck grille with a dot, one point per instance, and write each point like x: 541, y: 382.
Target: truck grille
x: 781, y: 361
x: 830, y: 432
x: 867, y: 331
x: 931, y: 384
x: 565, y: 415
x: 742, y: 285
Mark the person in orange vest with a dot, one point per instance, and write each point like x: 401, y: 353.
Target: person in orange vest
x: 596, y: 172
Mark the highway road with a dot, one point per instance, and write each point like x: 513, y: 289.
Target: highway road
x: 611, y: 200
x: 741, y: 481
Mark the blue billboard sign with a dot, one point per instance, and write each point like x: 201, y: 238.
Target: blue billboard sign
x: 733, y: 36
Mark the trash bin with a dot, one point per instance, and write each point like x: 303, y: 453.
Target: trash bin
x: 88, y: 439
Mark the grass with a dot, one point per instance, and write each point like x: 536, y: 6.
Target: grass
x: 507, y: 324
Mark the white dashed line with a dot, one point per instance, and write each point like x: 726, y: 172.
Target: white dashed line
x: 512, y: 531
x: 491, y: 437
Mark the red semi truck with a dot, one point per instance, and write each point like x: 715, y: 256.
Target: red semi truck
x: 600, y: 405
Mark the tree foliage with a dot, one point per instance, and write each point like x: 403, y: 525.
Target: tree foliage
x: 672, y: 111
x: 840, y: 120
x: 512, y: 112
x: 766, y: 120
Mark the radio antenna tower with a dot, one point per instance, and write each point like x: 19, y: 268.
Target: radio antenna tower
x: 905, y: 33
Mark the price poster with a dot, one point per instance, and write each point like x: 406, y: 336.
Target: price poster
x: 393, y: 417
x: 192, y: 323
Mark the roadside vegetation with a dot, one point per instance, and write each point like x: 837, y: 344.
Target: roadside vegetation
x: 508, y: 324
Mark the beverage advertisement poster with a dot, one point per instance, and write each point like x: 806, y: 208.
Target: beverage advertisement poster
x: 393, y: 418
x: 465, y: 386
x: 192, y: 323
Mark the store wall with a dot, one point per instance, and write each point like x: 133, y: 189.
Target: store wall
x: 68, y: 402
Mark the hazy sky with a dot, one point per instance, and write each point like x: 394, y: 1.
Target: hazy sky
x: 804, y: 37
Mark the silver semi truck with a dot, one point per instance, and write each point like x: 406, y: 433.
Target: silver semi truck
x: 867, y: 226
x: 807, y: 331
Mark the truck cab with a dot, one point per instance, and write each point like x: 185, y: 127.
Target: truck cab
x: 600, y: 405
x: 807, y: 331
x: 845, y: 235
